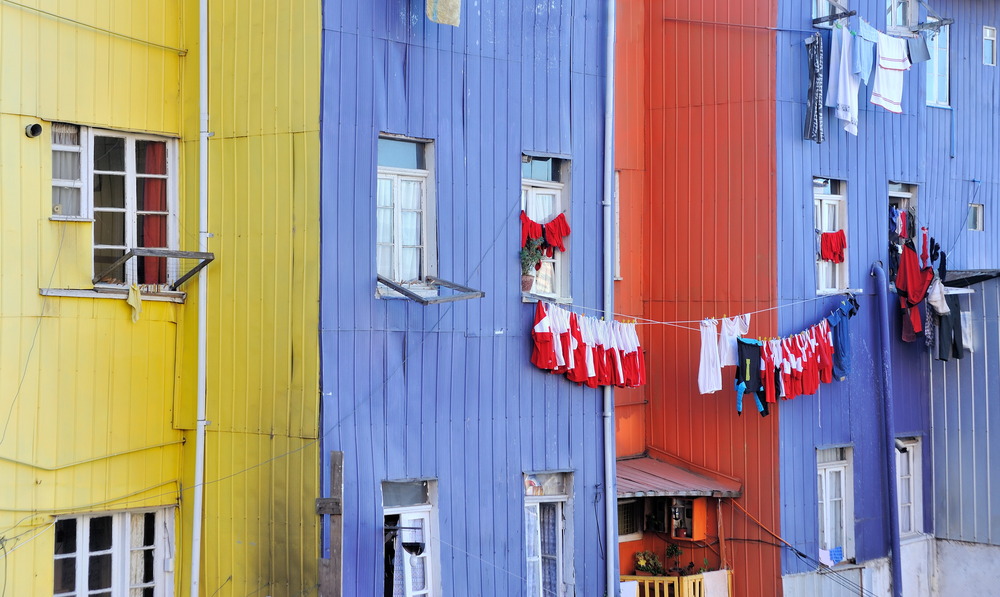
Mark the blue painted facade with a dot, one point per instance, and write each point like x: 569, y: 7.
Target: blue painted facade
x: 953, y: 156
x: 447, y: 392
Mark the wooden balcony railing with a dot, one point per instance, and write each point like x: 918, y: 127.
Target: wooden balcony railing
x: 673, y: 586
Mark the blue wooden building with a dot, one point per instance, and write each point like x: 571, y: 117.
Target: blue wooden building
x: 941, y: 158
x: 434, y: 137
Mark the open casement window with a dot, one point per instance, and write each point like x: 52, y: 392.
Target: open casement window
x: 909, y: 486
x: 123, y: 554
x: 835, y: 492
x: 938, y: 69
x: 545, y: 504
x: 544, y: 196
x: 410, y: 549
x: 830, y: 215
x: 406, y: 241
x: 901, y: 16
x: 69, y: 167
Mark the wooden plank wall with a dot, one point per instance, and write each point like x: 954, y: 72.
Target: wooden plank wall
x: 913, y: 147
x: 447, y: 391
x: 709, y: 217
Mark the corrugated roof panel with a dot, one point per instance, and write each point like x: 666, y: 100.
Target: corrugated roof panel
x: 645, y: 476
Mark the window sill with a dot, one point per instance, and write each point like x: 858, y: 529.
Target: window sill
x: 384, y: 292
x: 118, y: 293
x: 841, y: 567
x: 83, y: 219
x: 940, y: 106
x: 530, y: 297
x: 836, y: 291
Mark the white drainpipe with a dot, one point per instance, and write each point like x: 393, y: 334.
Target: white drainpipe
x: 199, y: 458
x: 610, y: 486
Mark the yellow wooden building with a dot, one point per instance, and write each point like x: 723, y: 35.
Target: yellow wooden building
x: 99, y: 361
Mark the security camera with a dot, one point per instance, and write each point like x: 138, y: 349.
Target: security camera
x: 33, y: 130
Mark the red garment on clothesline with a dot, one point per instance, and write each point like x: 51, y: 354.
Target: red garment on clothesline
x: 832, y: 245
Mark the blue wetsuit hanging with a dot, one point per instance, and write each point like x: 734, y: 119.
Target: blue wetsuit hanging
x: 748, y: 375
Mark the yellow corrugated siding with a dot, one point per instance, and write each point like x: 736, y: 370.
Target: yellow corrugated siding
x: 261, y: 529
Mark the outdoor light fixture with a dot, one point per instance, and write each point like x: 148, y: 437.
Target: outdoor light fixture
x: 676, y: 511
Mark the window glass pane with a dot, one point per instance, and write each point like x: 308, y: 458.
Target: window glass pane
x: 151, y: 194
x: 836, y: 481
x: 65, y: 575
x: 384, y: 261
x: 65, y: 134
x: 988, y: 51
x: 99, y: 572
x: 403, y: 493
x: 384, y: 194
x: 149, y: 528
x: 396, y: 153
x: 150, y: 157
x: 906, y: 518
x: 836, y: 530
x: 409, y: 194
x: 549, y: 528
x: 410, y: 224
x: 65, y: 536
x: 109, y: 228
x: 109, y: 190
x: 100, y: 533
x: 103, y: 258
x: 152, y: 270
x: 409, y: 265
x: 545, y: 278
x: 540, y: 169
x: 66, y: 201
x: 384, y: 225
x: 531, y: 546
x: 66, y: 165
x: 109, y: 154
x: 541, y: 206
x: 152, y: 231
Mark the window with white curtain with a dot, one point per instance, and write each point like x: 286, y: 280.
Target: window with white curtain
x: 546, y: 501
x: 405, y: 226
x: 909, y: 487
x: 938, y: 69
x: 410, y: 546
x: 544, y: 196
x: 835, y: 493
x: 830, y: 215
x: 119, y: 554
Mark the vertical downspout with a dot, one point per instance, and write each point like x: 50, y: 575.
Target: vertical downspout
x: 888, y: 415
x: 203, y: 135
x: 610, y: 486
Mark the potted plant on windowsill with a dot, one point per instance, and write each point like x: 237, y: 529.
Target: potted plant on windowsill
x: 531, y: 256
x: 674, y: 552
x: 647, y: 564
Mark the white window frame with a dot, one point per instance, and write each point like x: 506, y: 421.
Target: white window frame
x: 428, y: 221
x: 938, y: 72
x: 639, y: 504
x: 974, y: 221
x: 911, y: 523
x: 83, y: 159
x: 823, y: 205
x: 844, y: 464
x: 408, y: 517
x: 163, y: 550
x: 533, y: 504
x: 990, y: 34
x: 559, y: 260
x: 910, y: 16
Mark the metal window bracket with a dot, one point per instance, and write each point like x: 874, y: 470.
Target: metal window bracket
x: 465, y: 293
x: 204, y: 259
x: 843, y: 14
x: 932, y: 25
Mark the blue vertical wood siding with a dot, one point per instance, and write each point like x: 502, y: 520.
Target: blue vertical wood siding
x: 447, y: 391
x: 913, y: 147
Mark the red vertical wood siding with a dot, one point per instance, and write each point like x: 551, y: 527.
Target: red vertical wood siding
x: 707, y: 224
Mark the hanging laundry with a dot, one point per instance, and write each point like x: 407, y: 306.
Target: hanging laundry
x: 768, y: 377
x: 950, y: 334
x: 924, y: 252
x: 555, y: 231
x: 543, y: 353
x: 892, y: 63
x: 912, y: 284
x: 732, y: 328
x: 709, y: 369
x: 864, y: 50
x: 842, y: 94
x: 917, y: 49
x: 814, y: 98
x: 832, y: 245
x: 824, y: 338
x: 748, y: 375
x: 841, y: 336
x: 529, y: 229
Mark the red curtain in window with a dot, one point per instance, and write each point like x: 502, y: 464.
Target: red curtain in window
x: 154, y: 227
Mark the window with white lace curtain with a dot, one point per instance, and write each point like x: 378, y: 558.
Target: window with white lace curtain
x: 547, y: 501
x: 835, y: 493
x: 406, y: 250
x: 545, y: 196
x: 410, y: 547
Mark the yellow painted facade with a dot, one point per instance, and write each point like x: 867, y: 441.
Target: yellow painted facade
x: 101, y: 409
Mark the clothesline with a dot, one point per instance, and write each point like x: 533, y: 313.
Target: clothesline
x: 644, y: 321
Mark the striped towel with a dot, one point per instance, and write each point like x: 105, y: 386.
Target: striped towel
x: 892, y: 63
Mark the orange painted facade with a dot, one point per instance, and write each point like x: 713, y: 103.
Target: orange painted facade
x: 695, y: 151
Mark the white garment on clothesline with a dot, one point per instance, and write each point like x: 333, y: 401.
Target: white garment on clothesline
x: 893, y: 61
x: 709, y: 370
x: 732, y: 328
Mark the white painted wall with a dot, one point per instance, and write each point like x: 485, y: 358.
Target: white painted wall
x: 967, y: 569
